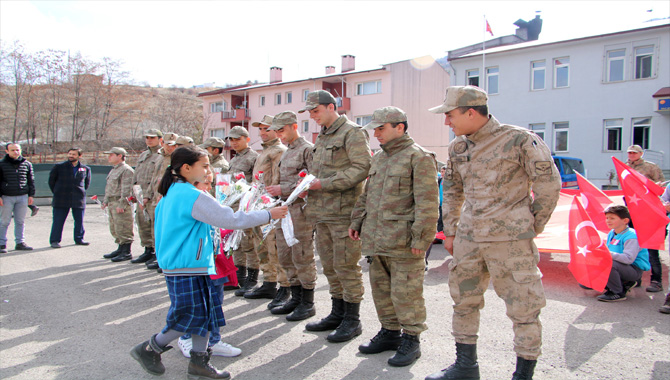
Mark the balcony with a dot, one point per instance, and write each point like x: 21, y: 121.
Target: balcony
x: 236, y: 115
x: 343, y: 104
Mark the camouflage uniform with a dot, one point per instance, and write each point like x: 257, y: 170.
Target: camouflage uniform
x: 118, y: 188
x: 268, y: 163
x: 298, y: 260
x: 245, y: 256
x: 647, y: 169
x: 397, y: 212
x: 341, y: 161
x: 487, y: 206
x: 158, y: 175
x: 219, y: 162
x: 144, y: 172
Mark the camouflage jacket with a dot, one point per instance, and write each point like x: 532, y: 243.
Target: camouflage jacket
x: 341, y: 161
x: 398, y: 209
x: 119, y: 182
x: 268, y: 161
x: 244, y: 162
x: 159, y: 172
x: 144, y: 171
x: 297, y: 157
x: 219, y: 162
x: 488, y: 182
x: 647, y: 169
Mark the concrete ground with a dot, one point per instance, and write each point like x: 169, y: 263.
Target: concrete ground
x: 69, y: 314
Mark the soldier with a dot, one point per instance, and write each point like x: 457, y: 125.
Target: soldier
x: 268, y: 163
x: 341, y: 163
x: 119, y: 187
x: 395, y: 219
x: 298, y: 260
x: 654, y: 173
x: 245, y: 258
x: 168, y: 145
x: 490, y: 220
x: 184, y: 140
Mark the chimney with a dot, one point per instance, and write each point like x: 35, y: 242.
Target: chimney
x: 275, y: 74
x: 330, y: 70
x: 348, y: 63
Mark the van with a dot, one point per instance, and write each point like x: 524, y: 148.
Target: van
x: 567, y: 167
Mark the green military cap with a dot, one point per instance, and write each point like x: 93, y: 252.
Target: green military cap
x: 635, y: 148
x: 282, y: 119
x: 117, y: 150
x: 184, y: 140
x: 170, y: 138
x: 237, y: 132
x: 213, y: 142
x: 385, y: 115
x: 153, y: 132
x: 318, y: 97
x: 267, y: 121
x: 461, y: 96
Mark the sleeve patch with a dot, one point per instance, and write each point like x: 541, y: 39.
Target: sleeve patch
x: 543, y: 167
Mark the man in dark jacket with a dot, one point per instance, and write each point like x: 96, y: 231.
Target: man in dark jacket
x: 69, y: 181
x: 17, y: 189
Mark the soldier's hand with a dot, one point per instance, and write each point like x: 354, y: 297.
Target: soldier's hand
x: 279, y: 212
x: 315, y: 185
x: 274, y: 190
x: 103, y: 206
x: 449, y: 244
x: 353, y: 234
x: 119, y: 210
x: 2, y: 203
x: 417, y: 252
x: 302, y: 195
x: 145, y: 201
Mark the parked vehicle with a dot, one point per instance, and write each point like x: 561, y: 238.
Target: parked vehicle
x: 568, y: 166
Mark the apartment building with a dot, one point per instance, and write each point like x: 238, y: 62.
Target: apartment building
x: 588, y: 97
x: 413, y: 85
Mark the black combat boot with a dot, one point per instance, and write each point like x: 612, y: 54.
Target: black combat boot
x: 241, y: 274
x: 332, y: 320
x: 153, y: 265
x: 124, y: 254
x: 281, y: 298
x: 350, y: 326
x: 385, y: 340
x: 287, y: 307
x: 408, y: 353
x: 465, y: 367
x: 149, y: 355
x: 199, y: 367
x: 524, y: 369
x: 306, y: 308
x: 267, y: 290
x: 146, y: 256
x: 113, y: 254
x: 249, y: 282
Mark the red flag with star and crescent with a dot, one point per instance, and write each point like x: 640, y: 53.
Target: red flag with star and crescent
x: 488, y: 27
x: 590, y: 260
x: 644, y: 205
x: 595, y: 202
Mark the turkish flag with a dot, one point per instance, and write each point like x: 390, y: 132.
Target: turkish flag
x: 645, y: 207
x: 590, y: 260
x: 488, y: 27
x: 595, y: 202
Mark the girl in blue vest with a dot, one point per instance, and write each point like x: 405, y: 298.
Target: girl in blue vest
x: 628, y: 259
x: 185, y: 252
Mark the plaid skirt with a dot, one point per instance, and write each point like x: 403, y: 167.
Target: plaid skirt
x: 195, y: 307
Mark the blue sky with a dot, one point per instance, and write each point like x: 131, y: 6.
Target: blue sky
x: 188, y: 43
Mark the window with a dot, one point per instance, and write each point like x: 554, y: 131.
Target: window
x: 261, y: 101
x: 538, y: 75
x: 305, y: 126
x: 277, y: 99
x: 367, y: 88
x: 615, y: 65
x: 472, y: 77
x: 363, y: 120
x: 220, y: 133
x: 643, y: 58
x: 538, y: 129
x: 304, y: 95
x: 613, y: 130
x: 561, y: 72
x: 492, y: 80
x: 641, y: 130
x: 289, y: 97
x: 217, y: 107
x: 561, y: 137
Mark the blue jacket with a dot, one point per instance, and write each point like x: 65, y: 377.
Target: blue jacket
x: 616, y: 242
x: 69, y: 184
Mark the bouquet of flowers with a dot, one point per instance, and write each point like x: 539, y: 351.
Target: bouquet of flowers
x: 104, y: 211
x: 302, y: 186
x: 139, y: 196
x: 238, y: 189
x: 223, y: 186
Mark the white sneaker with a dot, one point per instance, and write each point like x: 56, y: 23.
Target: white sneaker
x: 224, y: 349
x: 185, y: 346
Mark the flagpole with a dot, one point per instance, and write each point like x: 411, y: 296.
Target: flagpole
x: 484, y: 57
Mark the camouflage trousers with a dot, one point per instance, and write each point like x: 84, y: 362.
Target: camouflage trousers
x: 339, y: 256
x: 512, y: 265
x: 298, y: 260
x: 397, y: 290
x: 245, y: 255
x: 269, y: 261
x: 145, y: 226
x: 120, y: 224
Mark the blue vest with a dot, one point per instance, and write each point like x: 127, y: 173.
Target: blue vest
x: 642, y: 259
